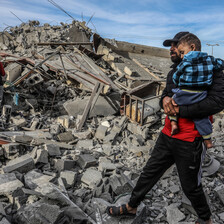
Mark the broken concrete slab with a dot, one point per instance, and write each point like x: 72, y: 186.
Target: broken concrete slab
x: 41, y: 156
x: 52, y: 149
x: 121, y: 184
x: 39, y: 212
x: 220, y: 193
x: 91, y: 177
x: 104, y: 106
x: 64, y: 164
x: 85, y: 144
x: 11, y: 150
x: 174, y: 215
x: 33, y: 179
x: 69, y: 178
x: 21, y: 164
x: 86, y: 161
x: 13, y: 71
x: 9, y: 183
x: 65, y: 137
x: 101, y: 132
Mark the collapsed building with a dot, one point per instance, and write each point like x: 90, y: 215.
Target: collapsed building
x: 79, y: 121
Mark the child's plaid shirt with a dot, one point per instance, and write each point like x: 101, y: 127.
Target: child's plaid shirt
x: 196, y: 70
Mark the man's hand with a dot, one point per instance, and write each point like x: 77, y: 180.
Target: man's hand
x: 169, y: 106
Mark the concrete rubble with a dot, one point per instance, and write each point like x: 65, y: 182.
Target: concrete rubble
x: 67, y: 148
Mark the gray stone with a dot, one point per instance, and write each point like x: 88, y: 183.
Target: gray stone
x: 33, y: 179
x: 11, y: 149
x: 86, y: 161
x: 41, y: 156
x: 65, y: 137
x: 101, y: 132
x: 174, y: 215
x: 220, y: 193
x: 18, y: 121
x: 104, y: 106
x: 21, y: 164
x: 9, y: 183
x: 83, y: 135
x: 38, y: 212
x: 106, y: 168
x: 174, y: 189
x: 68, y: 178
x: 138, y: 130
x: 107, y: 149
x: 64, y: 164
x: 91, y: 177
x: 55, y: 129
x: 85, y: 144
x: 4, y: 221
x: 221, y: 216
x: 121, y: 184
x: 52, y: 149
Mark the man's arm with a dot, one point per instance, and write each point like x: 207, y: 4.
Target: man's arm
x: 209, y: 106
x: 212, y: 104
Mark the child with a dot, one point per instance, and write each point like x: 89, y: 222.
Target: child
x: 193, y: 77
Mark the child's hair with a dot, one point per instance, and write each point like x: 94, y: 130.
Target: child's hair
x: 189, y: 39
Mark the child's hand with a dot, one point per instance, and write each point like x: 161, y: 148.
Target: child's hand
x: 174, y: 103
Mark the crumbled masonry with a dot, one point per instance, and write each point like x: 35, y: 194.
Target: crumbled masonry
x: 67, y: 149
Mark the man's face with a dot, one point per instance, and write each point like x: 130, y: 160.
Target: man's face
x: 174, y: 53
x: 183, y: 49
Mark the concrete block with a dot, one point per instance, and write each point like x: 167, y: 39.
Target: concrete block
x: 4, y: 221
x: 13, y: 71
x: 101, y: 132
x: 55, y: 129
x: 107, y: 149
x: 52, y: 149
x: 21, y: 164
x: 64, y: 164
x: 34, y: 80
x: 106, y: 168
x: 64, y: 121
x: 38, y: 212
x: 86, y: 161
x: 41, y: 156
x: 220, y: 193
x: 221, y: 216
x: 11, y: 149
x: 91, y: 177
x: 18, y: 121
x: 138, y: 130
x: 174, y: 215
x: 9, y: 183
x: 85, y: 144
x: 121, y: 184
x: 65, y: 137
x: 68, y: 178
x: 33, y: 179
x: 83, y: 135
x: 104, y: 106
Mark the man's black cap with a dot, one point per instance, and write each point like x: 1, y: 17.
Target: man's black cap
x: 167, y: 43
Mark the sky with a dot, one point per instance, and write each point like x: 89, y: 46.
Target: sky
x: 147, y: 22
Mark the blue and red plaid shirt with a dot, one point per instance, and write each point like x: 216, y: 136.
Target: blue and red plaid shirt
x: 196, y: 70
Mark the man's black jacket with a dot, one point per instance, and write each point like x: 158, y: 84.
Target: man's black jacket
x: 212, y: 104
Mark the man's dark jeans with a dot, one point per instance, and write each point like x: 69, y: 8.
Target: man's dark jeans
x: 188, y: 158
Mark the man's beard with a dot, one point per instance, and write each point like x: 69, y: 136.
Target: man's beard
x: 176, y: 58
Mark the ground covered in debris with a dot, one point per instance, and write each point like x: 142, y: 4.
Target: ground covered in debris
x: 67, y: 152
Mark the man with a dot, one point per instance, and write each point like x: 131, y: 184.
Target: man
x: 185, y: 149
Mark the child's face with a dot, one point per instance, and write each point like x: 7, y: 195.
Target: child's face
x: 184, y: 49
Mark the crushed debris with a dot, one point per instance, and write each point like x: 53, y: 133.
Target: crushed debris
x: 78, y: 123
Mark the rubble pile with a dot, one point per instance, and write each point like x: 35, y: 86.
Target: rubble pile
x: 68, y: 150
